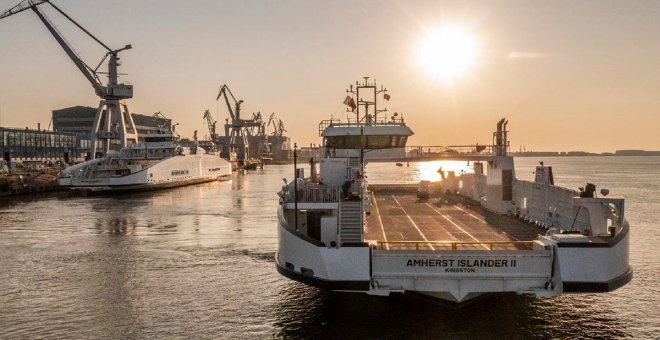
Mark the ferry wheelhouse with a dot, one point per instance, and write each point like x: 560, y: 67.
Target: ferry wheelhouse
x: 156, y: 163
x: 465, y: 236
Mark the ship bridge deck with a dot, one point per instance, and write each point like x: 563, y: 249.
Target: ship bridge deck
x: 399, y: 220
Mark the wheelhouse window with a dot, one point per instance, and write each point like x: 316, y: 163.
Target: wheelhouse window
x: 368, y: 142
x: 378, y: 142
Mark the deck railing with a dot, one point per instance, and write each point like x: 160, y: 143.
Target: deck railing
x: 549, y: 205
x: 407, y: 187
x: 450, y: 150
x: 351, y: 122
x: 318, y: 194
x: 454, y: 245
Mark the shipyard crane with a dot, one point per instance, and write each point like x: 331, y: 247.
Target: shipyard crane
x: 278, y: 125
x: 238, y: 129
x: 256, y: 126
x: 165, y: 123
x: 257, y: 135
x: 211, y: 124
x: 237, y: 139
x: 118, y: 123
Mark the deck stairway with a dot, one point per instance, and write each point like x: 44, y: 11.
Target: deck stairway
x: 350, y: 217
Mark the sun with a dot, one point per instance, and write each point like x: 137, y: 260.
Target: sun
x: 447, y: 52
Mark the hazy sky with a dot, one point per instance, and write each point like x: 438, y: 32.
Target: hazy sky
x: 569, y: 75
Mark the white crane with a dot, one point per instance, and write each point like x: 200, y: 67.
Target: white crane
x: 118, y: 123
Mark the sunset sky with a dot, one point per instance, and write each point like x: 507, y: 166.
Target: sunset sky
x: 569, y: 75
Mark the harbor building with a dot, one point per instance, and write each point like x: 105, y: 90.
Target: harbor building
x: 27, y: 144
x: 80, y: 119
x: 70, y: 137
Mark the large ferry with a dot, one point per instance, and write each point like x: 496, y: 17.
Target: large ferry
x: 467, y: 235
x: 156, y: 163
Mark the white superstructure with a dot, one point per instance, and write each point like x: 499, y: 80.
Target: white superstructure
x: 158, y: 162
x: 475, y: 233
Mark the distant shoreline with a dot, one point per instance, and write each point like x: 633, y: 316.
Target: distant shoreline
x: 584, y: 153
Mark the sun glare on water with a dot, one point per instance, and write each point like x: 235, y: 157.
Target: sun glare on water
x: 447, y: 52
x: 430, y: 171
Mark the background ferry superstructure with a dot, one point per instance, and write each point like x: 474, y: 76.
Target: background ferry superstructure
x: 157, y: 162
x: 468, y: 235
x: 118, y: 160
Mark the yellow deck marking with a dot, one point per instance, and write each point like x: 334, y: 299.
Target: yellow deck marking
x: 465, y: 211
x: 373, y: 198
x: 456, y: 225
x: 413, y: 222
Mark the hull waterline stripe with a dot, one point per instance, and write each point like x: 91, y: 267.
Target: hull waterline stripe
x: 337, y: 285
x: 413, y: 222
x: 456, y: 225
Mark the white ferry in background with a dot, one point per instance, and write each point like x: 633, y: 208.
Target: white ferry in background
x: 457, y: 239
x: 156, y: 163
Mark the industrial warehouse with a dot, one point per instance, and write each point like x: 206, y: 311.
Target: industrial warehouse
x: 69, y: 139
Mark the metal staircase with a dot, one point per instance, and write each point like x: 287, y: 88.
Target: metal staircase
x: 350, y: 219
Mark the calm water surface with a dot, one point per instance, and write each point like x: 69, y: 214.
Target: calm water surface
x: 197, y: 262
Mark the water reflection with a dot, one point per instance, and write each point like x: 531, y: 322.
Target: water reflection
x: 116, y: 225
x: 306, y: 312
x: 197, y: 262
x: 414, y: 172
x: 108, y: 285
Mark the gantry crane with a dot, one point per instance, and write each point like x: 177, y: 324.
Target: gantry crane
x: 211, y: 125
x: 256, y: 125
x: 257, y: 136
x: 278, y: 125
x: 279, y: 145
x: 165, y: 123
x: 118, y: 123
x: 237, y: 128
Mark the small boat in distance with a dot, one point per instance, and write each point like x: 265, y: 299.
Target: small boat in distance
x: 456, y: 239
x: 157, y: 162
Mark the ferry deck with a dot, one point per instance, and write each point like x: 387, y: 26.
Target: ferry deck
x: 399, y: 220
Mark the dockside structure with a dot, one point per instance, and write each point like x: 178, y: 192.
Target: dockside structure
x: 80, y: 119
x: 70, y: 138
x: 27, y: 144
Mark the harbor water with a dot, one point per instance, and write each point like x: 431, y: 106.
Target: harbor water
x: 197, y: 262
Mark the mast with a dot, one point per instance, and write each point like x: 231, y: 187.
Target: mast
x: 371, y: 92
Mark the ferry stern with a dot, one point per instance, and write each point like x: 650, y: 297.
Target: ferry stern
x: 465, y: 236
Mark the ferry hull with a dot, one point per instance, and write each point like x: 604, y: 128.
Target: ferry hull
x: 548, y: 269
x: 319, y: 265
x: 100, y: 189
x: 595, y: 268
x: 168, y: 173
